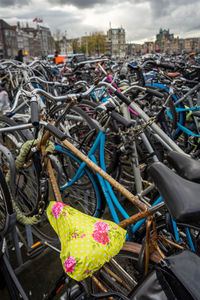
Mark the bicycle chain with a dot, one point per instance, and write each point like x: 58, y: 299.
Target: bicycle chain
x: 133, y: 132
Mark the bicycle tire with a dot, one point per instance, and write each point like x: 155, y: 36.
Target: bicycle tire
x: 84, y: 134
x: 127, y: 258
x: 27, y: 184
x: 43, y: 229
x: 78, y: 128
x: 20, y: 135
x: 85, y: 194
x: 191, y: 143
x: 164, y: 229
x: 5, y: 203
x: 176, y: 116
x: 112, y: 156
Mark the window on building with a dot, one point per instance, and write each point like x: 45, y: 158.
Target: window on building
x: 114, y: 31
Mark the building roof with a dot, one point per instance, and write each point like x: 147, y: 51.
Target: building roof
x: 4, y: 25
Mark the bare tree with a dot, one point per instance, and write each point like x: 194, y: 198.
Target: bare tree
x: 57, y: 37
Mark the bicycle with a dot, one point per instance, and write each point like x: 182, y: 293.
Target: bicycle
x: 75, y: 151
x: 7, y: 275
x: 59, y: 135
x: 7, y: 225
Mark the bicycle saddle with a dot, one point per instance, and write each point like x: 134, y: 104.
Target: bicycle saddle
x: 86, y: 242
x: 185, y: 166
x: 181, y: 196
x: 173, y: 75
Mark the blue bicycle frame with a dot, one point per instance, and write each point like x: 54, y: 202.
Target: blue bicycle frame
x: 162, y: 86
x: 110, y: 197
x: 106, y: 187
x: 180, y: 109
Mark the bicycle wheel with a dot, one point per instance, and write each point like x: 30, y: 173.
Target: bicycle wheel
x: 82, y: 128
x: 125, y: 266
x: 84, y: 194
x: 171, y: 116
x: 27, y: 183
x: 12, y: 140
x: 165, y: 229
x: 111, y: 152
x: 5, y: 204
x: 77, y: 125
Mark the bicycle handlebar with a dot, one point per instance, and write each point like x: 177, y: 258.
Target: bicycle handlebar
x: 65, y: 97
x: 158, y: 64
x: 124, y: 98
x: 154, y: 93
x: 115, y: 115
x: 34, y: 111
x: 166, y: 66
x: 79, y: 96
x: 110, y: 106
x: 49, y: 96
x: 48, y: 82
x: 92, y: 61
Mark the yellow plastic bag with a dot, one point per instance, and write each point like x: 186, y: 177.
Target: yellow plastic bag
x: 86, y: 242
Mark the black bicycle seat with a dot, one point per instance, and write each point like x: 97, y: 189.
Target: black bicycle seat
x: 181, y: 196
x: 185, y: 166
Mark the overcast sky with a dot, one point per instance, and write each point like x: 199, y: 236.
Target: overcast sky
x: 141, y: 19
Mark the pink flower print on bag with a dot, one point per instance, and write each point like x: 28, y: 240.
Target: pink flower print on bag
x: 57, y: 209
x: 70, y: 264
x: 75, y: 235
x: 101, y: 237
x: 102, y: 226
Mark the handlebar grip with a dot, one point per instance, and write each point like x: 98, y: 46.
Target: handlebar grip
x: 115, y: 115
x: 34, y: 113
x: 56, y: 132
x: 166, y: 66
x: 154, y: 93
x: 122, y: 97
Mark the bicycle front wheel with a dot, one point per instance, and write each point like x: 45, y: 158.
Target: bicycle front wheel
x: 5, y: 204
x: 27, y: 184
x: 85, y: 193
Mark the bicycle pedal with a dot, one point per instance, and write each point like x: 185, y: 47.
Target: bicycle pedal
x: 35, y: 250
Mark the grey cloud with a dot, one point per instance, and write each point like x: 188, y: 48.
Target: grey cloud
x: 197, y: 27
x: 79, y: 3
x: 162, y: 8
x: 170, y: 14
x: 5, y: 3
x: 167, y: 7
x: 55, y: 19
x: 159, y: 8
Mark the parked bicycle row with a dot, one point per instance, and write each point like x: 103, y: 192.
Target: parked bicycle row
x: 76, y: 139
